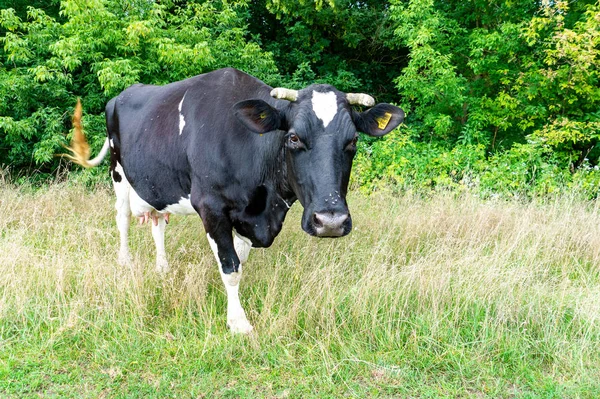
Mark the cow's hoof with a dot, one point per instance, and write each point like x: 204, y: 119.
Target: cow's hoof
x: 162, y: 266
x: 124, y: 259
x: 239, y: 326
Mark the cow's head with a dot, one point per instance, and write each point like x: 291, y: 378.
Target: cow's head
x: 321, y: 134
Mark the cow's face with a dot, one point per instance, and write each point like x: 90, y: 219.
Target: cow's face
x: 320, y: 143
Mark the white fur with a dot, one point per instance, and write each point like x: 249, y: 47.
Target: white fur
x: 183, y: 207
x: 122, y: 190
x: 137, y: 204
x: 242, y: 247
x: 96, y: 161
x: 236, y: 317
x: 325, y: 106
x: 181, y: 118
x: 128, y: 202
x: 158, y: 233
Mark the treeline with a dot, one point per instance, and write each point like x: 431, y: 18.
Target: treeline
x: 502, y: 97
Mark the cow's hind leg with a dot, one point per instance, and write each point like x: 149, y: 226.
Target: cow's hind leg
x: 158, y: 233
x: 123, y: 208
x: 242, y: 247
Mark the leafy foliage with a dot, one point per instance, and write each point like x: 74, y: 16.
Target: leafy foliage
x: 99, y: 49
x: 488, y: 86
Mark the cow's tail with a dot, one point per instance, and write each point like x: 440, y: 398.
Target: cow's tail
x: 79, y: 148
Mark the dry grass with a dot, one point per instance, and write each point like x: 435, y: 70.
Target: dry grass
x: 427, y: 297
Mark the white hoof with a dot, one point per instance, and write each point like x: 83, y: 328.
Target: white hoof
x: 162, y: 266
x: 124, y: 259
x: 239, y: 326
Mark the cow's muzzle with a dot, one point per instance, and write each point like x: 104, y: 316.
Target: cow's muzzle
x: 331, y: 224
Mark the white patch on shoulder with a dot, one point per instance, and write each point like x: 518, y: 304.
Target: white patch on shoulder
x: 181, y: 118
x: 324, y: 106
x: 183, y: 207
x: 112, y: 145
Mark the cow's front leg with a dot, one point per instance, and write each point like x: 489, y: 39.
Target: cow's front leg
x: 231, y: 274
x: 219, y: 235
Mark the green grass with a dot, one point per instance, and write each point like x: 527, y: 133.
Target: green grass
x: 442, y: 297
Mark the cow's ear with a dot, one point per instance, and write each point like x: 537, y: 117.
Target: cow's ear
x: 258, y: 116
x: 379, y: 120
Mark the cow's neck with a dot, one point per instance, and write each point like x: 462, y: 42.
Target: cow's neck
x: 276, y: 172
x: 262, y: 218
x: 284, y: 189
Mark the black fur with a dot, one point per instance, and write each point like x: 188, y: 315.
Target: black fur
x: 237, y: 179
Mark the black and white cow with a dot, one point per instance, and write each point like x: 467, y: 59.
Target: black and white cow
x: 228, y: 147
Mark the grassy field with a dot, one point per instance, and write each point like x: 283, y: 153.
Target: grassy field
x: 442, y: 297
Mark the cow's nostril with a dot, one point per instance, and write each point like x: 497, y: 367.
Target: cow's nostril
x: 317, y: 220
x: 329, y: 224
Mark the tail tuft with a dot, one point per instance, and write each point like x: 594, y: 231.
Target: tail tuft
x: 79, y: 148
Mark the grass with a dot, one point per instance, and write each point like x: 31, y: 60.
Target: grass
x: 445, y: 297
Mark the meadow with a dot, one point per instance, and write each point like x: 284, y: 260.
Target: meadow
x: 445, y: 296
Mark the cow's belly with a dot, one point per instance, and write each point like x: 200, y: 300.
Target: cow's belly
x: 183, y: 207
x: 140, y: 205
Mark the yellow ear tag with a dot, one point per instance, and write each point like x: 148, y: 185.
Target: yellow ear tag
x: 384, y: 120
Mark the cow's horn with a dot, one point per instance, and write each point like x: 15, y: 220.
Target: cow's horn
x: 284, y: 94
x: 360, y: 99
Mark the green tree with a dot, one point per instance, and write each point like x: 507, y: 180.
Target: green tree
x: 95, y: 49
x: 484, y: 83
x: 345, y: 43
x: 564, y: 79
x: 493, y: 73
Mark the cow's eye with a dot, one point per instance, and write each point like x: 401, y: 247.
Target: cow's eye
x: 294, y: 141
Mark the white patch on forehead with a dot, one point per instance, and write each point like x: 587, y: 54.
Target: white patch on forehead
x: 183, y: 207
x: 181, y: 118
x: 325, y: 106
x: 112, y: 145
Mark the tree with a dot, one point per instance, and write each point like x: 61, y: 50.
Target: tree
x: 565, y: 79
x: 96, y: 49
x: 342, y: 42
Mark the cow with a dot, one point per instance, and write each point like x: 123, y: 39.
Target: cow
x: 238, y: 153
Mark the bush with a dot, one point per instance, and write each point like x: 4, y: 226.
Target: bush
x: 400, y: 163
x: 525, y: 171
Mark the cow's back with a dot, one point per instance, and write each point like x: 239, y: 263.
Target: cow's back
x: 164, y: 136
